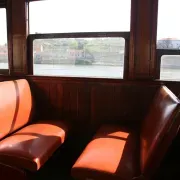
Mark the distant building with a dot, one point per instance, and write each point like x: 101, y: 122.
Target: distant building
x: 3, y: 53
x: 73, y: 53
x: 168, y: 43
x: 3, y: 49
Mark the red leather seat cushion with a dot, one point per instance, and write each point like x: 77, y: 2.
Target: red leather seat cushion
x: 31, y: 147
x: 112, y: 154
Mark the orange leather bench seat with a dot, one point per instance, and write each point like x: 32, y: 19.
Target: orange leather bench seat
x: 112, y: 154
x: 115, y: 154
x: 23, y: 144
x: 32, y: 146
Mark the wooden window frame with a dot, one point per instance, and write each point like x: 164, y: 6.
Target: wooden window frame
x: 3, y: 3
x: 32, y: 37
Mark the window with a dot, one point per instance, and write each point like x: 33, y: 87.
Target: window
x: 168, y: 40
x: 97, y: 57
x: 62, y: 16
x: 170, y: 67
x: 3, y: 40
x: 79, y: 38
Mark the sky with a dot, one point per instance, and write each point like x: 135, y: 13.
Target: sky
x: 92, y: 16
x: 79, y: 16
x: 168, y: 19
x: 3, y: 29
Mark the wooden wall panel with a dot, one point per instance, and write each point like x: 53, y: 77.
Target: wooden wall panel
x: 92, y: 103
x: 84, y: 101
x: 123, y: 103
x: 17, y: 35
x: 56, y: 99
x: 143, y: 39
x: 102, y: 104
x: 142, y: 53
x: 41, y: 91
x: 75, y: 103
x: 88, y: 103
x: 70, y: 101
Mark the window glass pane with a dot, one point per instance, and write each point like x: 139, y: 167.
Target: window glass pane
x: 168, y: 34
x: 58, y: 16
x: 79, y: 57
x: 3, y: 40
x: 170, y: 67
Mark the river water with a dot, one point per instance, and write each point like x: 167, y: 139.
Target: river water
x: 96, y: 71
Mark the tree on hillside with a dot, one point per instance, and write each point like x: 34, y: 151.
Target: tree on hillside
x: 165, y: 44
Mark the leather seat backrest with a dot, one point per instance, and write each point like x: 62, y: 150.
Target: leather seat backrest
x: 158, y: 130
x: 15, y: 105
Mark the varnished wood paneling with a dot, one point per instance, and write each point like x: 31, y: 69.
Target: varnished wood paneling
x: 17, y: 35
x: 154, y: 20
x: 84, y: 101
x: 142, y: 49
x: 91, y: 102
x: 41, y: 94
x: 70, y: 101
x: 132, y: 42
x: 57, y: 99
x: 143, y: 39
x: 102, y: 104
x: 123, y: 103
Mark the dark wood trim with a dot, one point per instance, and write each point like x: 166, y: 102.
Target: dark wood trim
x: 30, y: 54
x: 143, y: 39
x: 154, y: 20
x: 4, y: 71
x: 89, y: 80
x: 126, y: 60
x: 132, y: 43
x: 125, y: 35
x: 81, y: 79
x: 3, y: 3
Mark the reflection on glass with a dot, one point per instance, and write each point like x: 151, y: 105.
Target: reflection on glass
x: 170, y: 67
x: 3, y: 40
x: 79, y: 57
